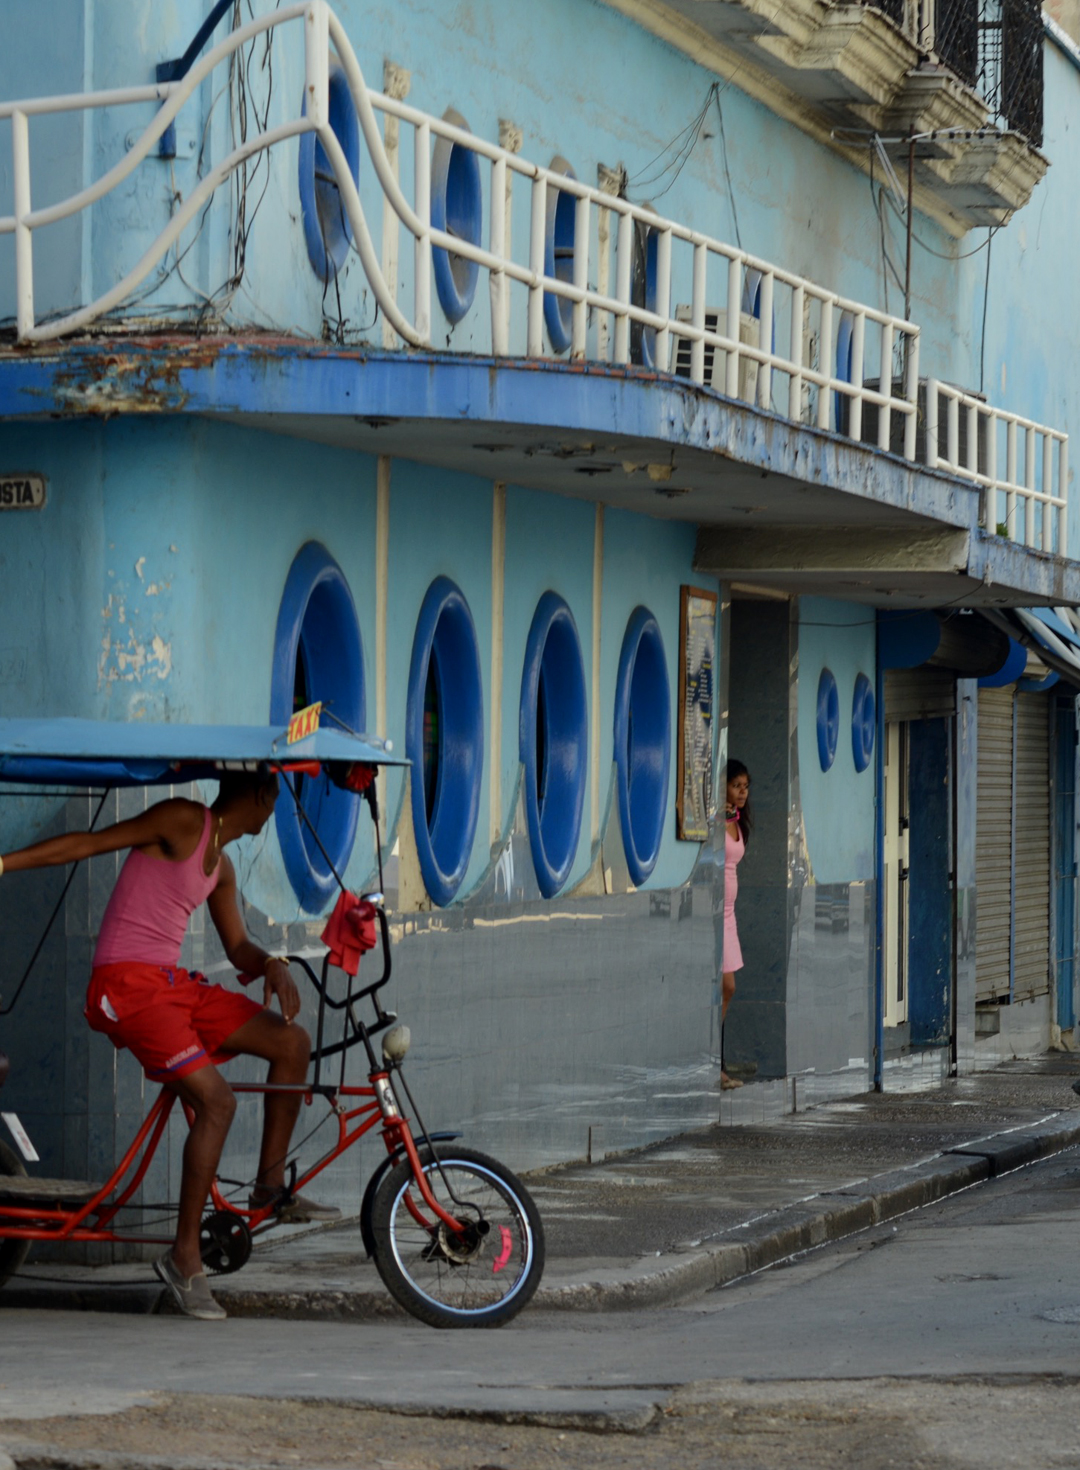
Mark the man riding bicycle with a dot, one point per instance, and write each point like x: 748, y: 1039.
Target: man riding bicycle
x: 178, y: 1025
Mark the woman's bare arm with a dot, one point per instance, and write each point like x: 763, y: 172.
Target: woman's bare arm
x: 249, y: 957
x: 166, y: 830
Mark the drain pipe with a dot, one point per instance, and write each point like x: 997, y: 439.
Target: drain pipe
x: 879, y: 873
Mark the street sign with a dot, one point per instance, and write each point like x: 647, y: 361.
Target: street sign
x: 22, y: 492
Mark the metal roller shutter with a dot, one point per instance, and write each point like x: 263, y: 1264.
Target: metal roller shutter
x: 919, y: 694
x: 993, y: 839
x: 1031, y: 895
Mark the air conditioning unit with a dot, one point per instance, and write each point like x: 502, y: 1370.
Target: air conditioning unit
x: 715, y: 357
x: 898, y: 422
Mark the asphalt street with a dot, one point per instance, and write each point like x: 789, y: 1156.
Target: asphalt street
x: 979, y: 1287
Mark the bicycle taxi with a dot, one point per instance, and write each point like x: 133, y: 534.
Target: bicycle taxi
x: 454, y: 1235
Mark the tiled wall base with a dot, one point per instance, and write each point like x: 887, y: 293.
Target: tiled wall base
x: 1024, y: 1032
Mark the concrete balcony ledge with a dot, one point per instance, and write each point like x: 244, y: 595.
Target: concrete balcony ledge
x: 784, y: 504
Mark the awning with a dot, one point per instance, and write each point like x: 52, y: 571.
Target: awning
x: 76, y: 752
x: 1052, y: 634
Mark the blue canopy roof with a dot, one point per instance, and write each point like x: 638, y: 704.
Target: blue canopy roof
x: 73, y: 752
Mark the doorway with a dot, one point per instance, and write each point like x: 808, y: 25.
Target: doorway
x: 896, y: 828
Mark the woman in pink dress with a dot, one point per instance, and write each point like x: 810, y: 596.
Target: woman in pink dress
x: 737, y: 824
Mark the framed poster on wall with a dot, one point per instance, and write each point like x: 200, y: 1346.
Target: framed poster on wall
x: 697, y: 659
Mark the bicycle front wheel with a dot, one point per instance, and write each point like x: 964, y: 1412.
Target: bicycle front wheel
x: 480, y: 1276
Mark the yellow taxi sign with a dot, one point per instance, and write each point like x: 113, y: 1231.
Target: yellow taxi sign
x: 303, y: 723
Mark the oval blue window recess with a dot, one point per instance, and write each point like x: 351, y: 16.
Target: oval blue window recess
x: 844, y: 345
x: 553, y: 740
x: 444, y: 737
x: 642, y: 742
x: 457, y: 207
x: 751, y: 301
x: 318, y: 655
x: 643, y: 292
x: 559, y: 256
x: 863, y: 722
x: 327, y: 231
x: 828, y: 718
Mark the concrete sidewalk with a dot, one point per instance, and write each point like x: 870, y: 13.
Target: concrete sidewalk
x: 669, y: 1222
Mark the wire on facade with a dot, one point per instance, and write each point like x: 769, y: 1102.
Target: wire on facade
x: 986, y: 297
x: 727, y: 170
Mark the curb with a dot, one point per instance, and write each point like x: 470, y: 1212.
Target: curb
x: 654, y: 1281
x: 801, y: 1227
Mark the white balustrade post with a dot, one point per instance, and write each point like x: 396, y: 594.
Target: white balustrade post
x: 697, y: 311
x: 765, y: 341
x: 580, y: 319
x: 1029, y: 485
x: 933, y: 430
x: 734, y: 323
x: 662, y: 305
x: 1048, y: 494
x: 317, y: 64
x: 1063, y: 496
x: 795, y: 384
x: 991, y: 497
x: 422, y: 252
x: 825, y: 353
x: 537, y: 243
x: 1010, y: 476
x: 973, y: 438
x: 952, y: 432
x: 884, y: 426
x: 911, y: 394
x: 858, y: 354
x: 624, y: 266
x: 497, y: 281
x: 24, y: 246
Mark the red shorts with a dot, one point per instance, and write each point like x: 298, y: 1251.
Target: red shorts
x: 175, y: 1023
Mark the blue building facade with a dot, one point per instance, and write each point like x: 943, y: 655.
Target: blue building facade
x: 676, y: 341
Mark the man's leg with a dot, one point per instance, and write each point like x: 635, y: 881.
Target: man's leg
x: 211, y: 1100
x: 287, y: 1047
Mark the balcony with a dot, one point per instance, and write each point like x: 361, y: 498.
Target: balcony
x: 960, y: 80
x: 575, y: 276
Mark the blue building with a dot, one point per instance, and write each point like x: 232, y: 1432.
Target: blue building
x: 573, y: 393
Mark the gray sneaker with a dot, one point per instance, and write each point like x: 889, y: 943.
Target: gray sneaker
x: 191, y: 1294
x: 292, y: 1210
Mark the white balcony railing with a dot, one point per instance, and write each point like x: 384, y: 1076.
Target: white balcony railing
x: 704, y: 309
x: 1022, y: 467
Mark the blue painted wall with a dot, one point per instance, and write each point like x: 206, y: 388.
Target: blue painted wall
x: 837, y: 804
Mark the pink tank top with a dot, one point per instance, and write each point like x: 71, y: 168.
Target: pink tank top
x: 147, y: 916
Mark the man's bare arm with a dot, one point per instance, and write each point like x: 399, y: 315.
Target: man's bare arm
x: 249, y: 957
x: 166, y: 827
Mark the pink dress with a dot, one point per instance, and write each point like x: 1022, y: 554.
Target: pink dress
x: 734, y: 848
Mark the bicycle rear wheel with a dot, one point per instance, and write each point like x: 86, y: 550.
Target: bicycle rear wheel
x: 12, y: 1252
x: 478, y: 1277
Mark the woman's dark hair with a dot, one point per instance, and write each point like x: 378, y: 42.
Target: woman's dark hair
x: 745, y: 819
x: 238, y: 784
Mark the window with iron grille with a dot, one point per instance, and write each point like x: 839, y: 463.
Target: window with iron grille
x: 993, y: 46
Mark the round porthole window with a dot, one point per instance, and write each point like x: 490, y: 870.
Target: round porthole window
x: 559, y: 256
x: 326, y: 225
x: 553, y: 740
x: 457, y: 208
x: 844, y: 344
x: 643, y: 293
x: 445, y: 737
x: 642, y: 742
x: 863, y: 722
x: 828, y: 718
x: 318, y: 655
